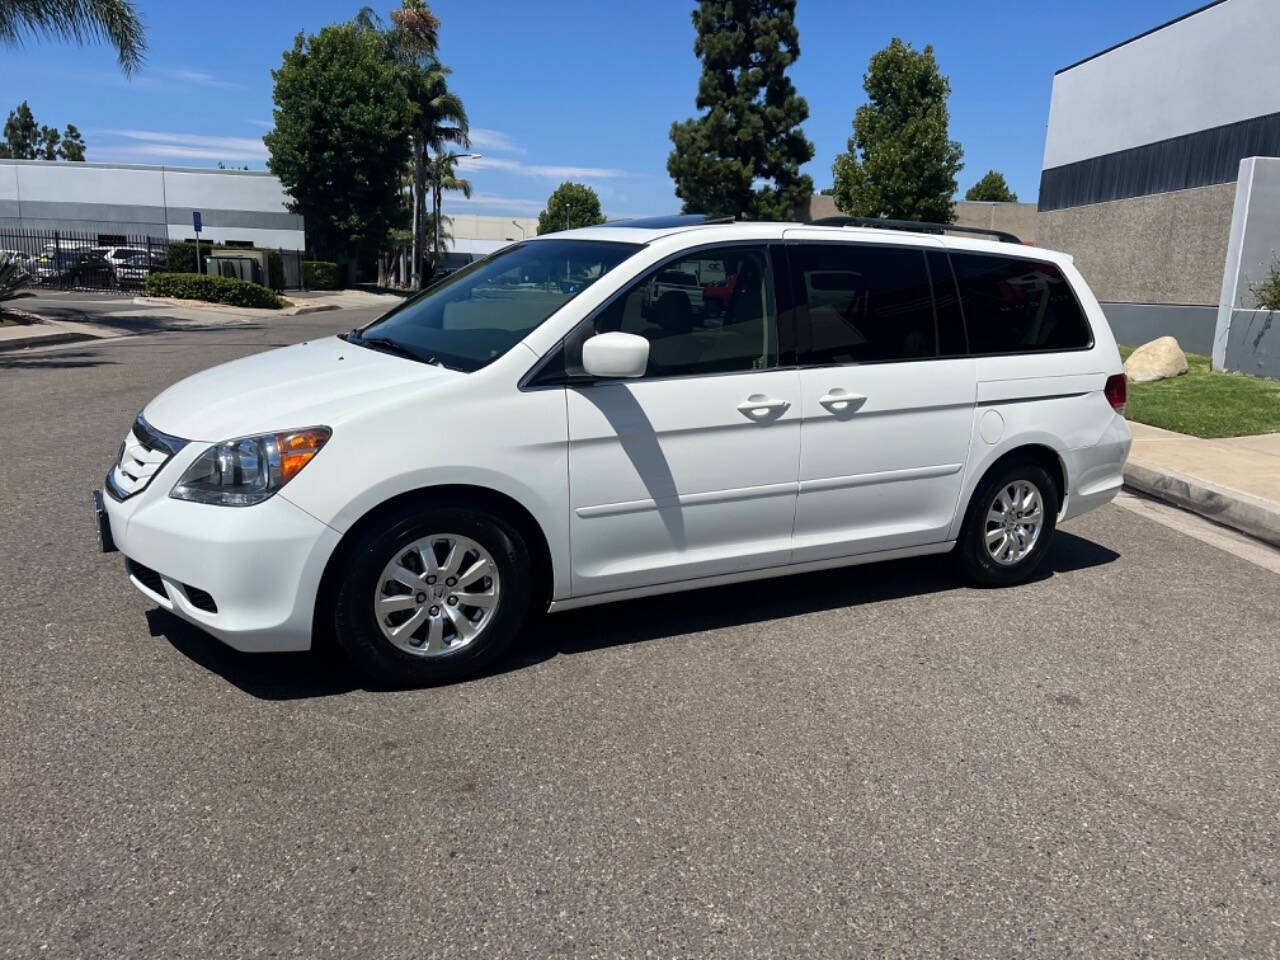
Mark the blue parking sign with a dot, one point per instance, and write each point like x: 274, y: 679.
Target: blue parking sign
x: 195, y: 219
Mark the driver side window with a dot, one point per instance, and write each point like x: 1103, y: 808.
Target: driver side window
x: 710, y: 312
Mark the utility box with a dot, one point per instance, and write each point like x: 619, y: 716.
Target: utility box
x: 248, y: 265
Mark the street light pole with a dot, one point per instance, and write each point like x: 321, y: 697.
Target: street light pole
x: 523, y: 232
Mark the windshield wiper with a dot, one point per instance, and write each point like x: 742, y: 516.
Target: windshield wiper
x: 387, y: 345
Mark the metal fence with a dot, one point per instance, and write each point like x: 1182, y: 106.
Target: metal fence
x: 119, y: 262
x: 67, y: 260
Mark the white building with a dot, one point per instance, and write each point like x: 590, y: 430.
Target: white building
x: 475, y: 236
x: 236, y: 206
x: 1149, y: 175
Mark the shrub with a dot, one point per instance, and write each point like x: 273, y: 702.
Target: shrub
x: 321, y: 275
x: 1267, y: 292
x: 182, y: 259
x: 197, y: 286
x: 13, y: 276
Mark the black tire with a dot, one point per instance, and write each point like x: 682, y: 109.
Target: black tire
x: 356, y: 629
x: 971, y: 551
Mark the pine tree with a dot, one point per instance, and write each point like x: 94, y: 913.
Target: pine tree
x: 21, y: 133
x: 992, y: 187
x: 749, y: 129
x: 72, y: 147
x: 901, y: 163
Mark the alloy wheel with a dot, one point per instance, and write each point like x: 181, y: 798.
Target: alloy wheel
x: 437, y: 595
x: 1014, y: 520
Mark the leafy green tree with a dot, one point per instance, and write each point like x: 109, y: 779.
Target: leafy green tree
x: 570, y: 205
x: 901, y: 163
x: 21, y: 133
x: 341, y: 138
x: 992, y: 187
x: 750, y: 128
x: 81, y: 21
x: 72, y: 147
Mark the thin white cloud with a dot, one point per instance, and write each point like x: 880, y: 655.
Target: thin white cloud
x: 264, y: 124
x: 515, y: 206
x: 540, y: 169
x: 485, y: 139
x: 200, y: 78
x: 163, y: 143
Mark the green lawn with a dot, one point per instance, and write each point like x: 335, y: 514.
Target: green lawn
x: 1205, y: 403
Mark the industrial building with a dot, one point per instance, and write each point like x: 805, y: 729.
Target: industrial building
x: 239, y: 207
x: 1156, y: 176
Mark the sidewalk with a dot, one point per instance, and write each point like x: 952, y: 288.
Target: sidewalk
x: 1234, y: 481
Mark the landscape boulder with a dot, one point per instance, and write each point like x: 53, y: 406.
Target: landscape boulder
x: 1157, y: 360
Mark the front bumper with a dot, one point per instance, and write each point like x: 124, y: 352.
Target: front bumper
x: 260, y: 565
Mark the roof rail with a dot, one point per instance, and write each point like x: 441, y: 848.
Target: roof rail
x: 919, y: 226
x: 665, y: 222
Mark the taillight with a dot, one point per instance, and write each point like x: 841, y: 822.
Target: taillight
x: 1117, y: 391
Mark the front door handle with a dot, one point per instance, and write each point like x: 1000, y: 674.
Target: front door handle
x: 839, y: 400
x: 758, y: 406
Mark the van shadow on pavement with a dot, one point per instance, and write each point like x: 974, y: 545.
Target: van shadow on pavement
x: 322, y: 673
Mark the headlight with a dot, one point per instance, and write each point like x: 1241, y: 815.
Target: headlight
x: 248, y: 470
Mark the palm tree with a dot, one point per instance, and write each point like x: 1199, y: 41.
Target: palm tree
x: 440, y: 118
x: 82, y: 21
x: 441, y: 176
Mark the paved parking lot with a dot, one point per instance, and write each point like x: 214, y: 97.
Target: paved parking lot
x: 875, y: 761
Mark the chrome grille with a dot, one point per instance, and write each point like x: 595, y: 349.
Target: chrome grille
x: 142, y: 455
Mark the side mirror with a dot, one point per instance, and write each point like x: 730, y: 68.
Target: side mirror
x: 615, y: 354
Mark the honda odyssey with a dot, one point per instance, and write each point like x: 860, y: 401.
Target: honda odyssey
x: 559, y: 425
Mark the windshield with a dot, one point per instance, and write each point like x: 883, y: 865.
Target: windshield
x: 479, y: 313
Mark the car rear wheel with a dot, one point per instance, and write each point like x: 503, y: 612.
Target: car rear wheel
x: 1010, y: 521
x: 432, y: 598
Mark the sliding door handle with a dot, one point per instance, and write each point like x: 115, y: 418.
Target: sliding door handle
x: 757, y: 406
x: 840, y: 401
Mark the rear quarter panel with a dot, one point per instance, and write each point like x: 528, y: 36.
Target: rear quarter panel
x: 1053, y: 400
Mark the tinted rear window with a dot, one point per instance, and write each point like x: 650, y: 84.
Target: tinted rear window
x: 865, y: 303
x: 1018, y: 306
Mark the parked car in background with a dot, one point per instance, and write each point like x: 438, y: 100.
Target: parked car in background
x: 132, y: 270
x: 85, y: 266
x: 864, y: 395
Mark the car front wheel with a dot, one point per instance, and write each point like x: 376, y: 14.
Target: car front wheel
x: 432, y: 598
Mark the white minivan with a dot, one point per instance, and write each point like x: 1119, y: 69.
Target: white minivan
x: 539, y: 432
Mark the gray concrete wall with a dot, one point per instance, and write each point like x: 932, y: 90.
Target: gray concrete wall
x: 1253, y: 343
x: 1015, y: 218
x: 1136, y: 323
x: 1165, y: 248
x: 1253, y: 251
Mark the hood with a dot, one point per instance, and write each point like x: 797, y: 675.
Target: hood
x: 310, y: 384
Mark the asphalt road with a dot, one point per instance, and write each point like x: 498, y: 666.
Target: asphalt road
x: 876, y: 761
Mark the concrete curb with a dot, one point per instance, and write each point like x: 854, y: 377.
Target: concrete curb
x: 224, y: 309
x: 43, y: 340
x: 1252, y: 515
x: 301, y: 309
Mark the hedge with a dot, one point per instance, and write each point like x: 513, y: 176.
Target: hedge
x: 182, y: 259
x: 198, y: 286
x: 321, y: 275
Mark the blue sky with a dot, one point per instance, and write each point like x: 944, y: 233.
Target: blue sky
x: 575, y: 90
